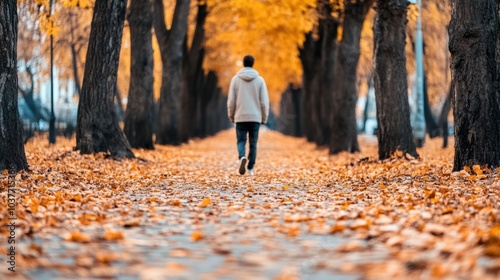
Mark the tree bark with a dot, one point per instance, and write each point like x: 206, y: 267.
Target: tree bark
x: 317, y: 57
x: 473, y: 33
x: 12, y: 155
x: 76, y: 76
x: 443, y: 117
x: 193, y: 76
x: 97, y: 125
x: 171, y: 48
x: 344, y: 135
x: 307, y: 60
x: 209, y: 94
x: 430, y: 123
x: 28, y: 97
x: 118, y: 104
x: 391, y: 89
x: 74, y: 56
x: 328, y: 27
x: 139, y: 114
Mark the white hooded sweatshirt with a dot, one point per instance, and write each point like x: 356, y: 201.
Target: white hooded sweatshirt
x: 248, y: 100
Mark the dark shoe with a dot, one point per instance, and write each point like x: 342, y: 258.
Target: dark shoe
x: 243, y: 165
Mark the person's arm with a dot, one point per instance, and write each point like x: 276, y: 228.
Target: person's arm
x: 264, y: 102
x: 231, y: 101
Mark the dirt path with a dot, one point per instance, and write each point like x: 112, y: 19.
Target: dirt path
x: 185, y: 213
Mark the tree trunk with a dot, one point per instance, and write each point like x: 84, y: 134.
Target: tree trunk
x: 139, y: 115
x: 344, y: 129
x: 430, y: 123
x: 12, y: 155
x: 443, y: 117
x: 391, y: 89
x: 296, y: 100
x: 74, y: 55
x: 74, y: 60
x: 97, y: 127
x: 473, y: 33
x: 28, y: 97
x: 328, y: 27
x: 307, y: 60
x: 367, y: 106
x: 171, y: 48
x: 317, y: 57
x: 191, y: 73
x: 209, y: 94
x: 118, y: 104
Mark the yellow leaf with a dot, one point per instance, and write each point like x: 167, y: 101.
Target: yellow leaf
x: 133, y: 223
x: 285, y: 187
x: 104, y: 257
x: 447, y: 210
x: 34, y: 206
x: 196, y: 236
x: 77, y: 236
x: 337, y: 228
x: 111, y: 235
x: 430, y: 194
x: 293, y: 231
x: 206, y: 201
x: 495, y: 231
x: 477, y: 169
x: 175, y: 202
x: 493, y: 248
x: 399, y: 153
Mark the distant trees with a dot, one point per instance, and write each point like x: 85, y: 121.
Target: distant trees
x: 139, y: 115
x: 393, y: 113
x: 171, y: 46
x: 345, y: 94
x: 193, y: 80
x: 97, y: 125
x: 330, y: 74
x: 475, y: 69
x: 318, y: 56
x: 12, y: 155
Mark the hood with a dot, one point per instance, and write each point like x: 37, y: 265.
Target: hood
x: 248, y: 74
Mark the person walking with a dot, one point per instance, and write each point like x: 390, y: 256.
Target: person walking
x: 248, y: 108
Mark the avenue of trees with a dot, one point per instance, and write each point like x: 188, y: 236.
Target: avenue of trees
x: 312, y: 47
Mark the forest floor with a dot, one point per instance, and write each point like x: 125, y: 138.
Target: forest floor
x: 184, y: 213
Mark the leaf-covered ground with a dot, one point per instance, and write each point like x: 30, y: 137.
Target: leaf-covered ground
x: 185, y: 213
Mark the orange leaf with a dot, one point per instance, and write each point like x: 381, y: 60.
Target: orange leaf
x: 111, y: 235
x: 196, y: 236
x: 337, y: 228
x: 77, y: 236
x: 206, y: 201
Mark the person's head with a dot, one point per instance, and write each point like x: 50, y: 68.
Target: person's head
x: 248, y: 61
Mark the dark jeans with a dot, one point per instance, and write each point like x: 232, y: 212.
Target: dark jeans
x: 252, y: 129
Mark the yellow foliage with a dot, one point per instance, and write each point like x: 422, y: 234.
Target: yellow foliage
x: 271, y: 31
x: 84, y: 4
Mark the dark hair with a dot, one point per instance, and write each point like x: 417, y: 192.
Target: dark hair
x: 248, y: 61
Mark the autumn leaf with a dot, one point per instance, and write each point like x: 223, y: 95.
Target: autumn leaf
x: 196, y: 236
x: 77, y: 236
x: 111, y: 235
x: 337, y: 228
x: 205, y: 202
